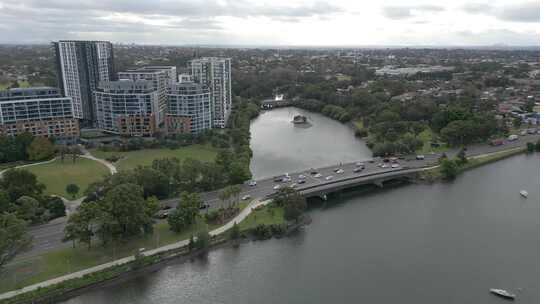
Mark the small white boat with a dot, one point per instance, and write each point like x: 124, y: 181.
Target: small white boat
x: 503, y: 293
x: 524, y: 193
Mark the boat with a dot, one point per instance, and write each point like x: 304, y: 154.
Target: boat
x: 503, y: 293
x: 299, y: 119
x: 524, y: 193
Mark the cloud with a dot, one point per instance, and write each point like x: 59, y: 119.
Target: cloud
x: 40, y: 20
x: 521, y: 12
x: 404, y: 12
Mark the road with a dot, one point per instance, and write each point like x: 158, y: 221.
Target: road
x: 49, y: 236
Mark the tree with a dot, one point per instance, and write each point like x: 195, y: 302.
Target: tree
x: 28, y: 209
x: 18, y: 182
x: 82, y: 225
x: 41, y: 148
x: 127, y: 212
x: 186, y: 212
x: 462, y: 156
x: 449, y: 169
x: 56, y: 206
x: 72, y: 189
x: 292, y: 202
x: 530, y: 147
x: 203, y: 240
x: 235, y: 191
x: 13, y: 237
x: 235, y: 232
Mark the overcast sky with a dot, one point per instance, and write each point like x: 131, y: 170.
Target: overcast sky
x: 274, y: 22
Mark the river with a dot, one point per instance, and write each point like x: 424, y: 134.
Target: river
x: 440, y: 243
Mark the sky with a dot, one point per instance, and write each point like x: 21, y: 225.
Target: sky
x: 274, y: 22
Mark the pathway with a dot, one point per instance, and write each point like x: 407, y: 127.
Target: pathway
x: 237, y: 219
x: 88, y: 155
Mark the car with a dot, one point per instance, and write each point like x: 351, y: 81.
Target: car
x: 393, y: 159
x: 385, y: 166
x: 340, y: 171
x: 286, y: 179
x: 318, y: 175
x: 301, y: 176
x: 293, y: 185
x: 531, y: 131
x: 161, y: 215
x: 523, y: 133
x: 337, y: 169
x: 313, y: 172
x: 246, y: 197
x: 371, y: 161
x: 380, y: 164
x: 278, y: 179
x: 329, y: 177
x: 252, y: 183
x: 276, y: 187
x: 204, y: 206
x: 359, y: 164
x: 420, y: 157
x: 358, y: 169
x: 301, y: 181
x: 395, y: 166
x: 386, y: 160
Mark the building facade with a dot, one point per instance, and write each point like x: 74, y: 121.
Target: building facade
x: 81, y: 65
x: 161, y: 78
x: 41, y: 111
x: 127, y: 107
x: 193, y: 100
x: 215, y: 73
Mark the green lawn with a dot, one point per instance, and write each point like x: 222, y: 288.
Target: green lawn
x: 266, y: 215
x: 145, y: 157
x: 29, y: 271
x: 57, y: 175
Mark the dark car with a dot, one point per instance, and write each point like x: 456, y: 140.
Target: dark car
x: 204, y: 206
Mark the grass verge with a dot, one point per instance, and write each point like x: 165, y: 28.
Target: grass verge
x: 57, y: 175
x: 132, y: 159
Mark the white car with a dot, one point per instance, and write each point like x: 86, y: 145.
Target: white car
x: 246, y: 197
x: 293, y: 185
x: 318, y: 175
x: 420, y: 157
x: 301, y: 176
x: 276, y: 187
x: 359, y: 164
x: 286, y: 179
x: 340, y: 171
x: 252, y: 183
x: 395, y: 166
x: 329, y: 177
x: 385, y: 166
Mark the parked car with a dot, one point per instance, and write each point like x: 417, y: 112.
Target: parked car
x: 420, y: 157
x: 301, y: 181
x: 531, y: 131
x: 385, y: 166
x: 318, y: 175
x: 395, y: 166
x: 340, y: 171
x: 513, y: 137
x: 301, y: 176
x: 329, y: 177
x: 252, y: 183
x: 246, y: 197
x: 276, y: 187
x: 358, y: 169
x: 293, y: 185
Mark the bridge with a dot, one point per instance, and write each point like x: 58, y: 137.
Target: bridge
x: 49, y: 236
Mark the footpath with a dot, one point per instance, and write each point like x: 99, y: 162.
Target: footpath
x: 237, y: 219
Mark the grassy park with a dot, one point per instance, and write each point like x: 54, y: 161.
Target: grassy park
x: 27, y: 271
x: 132, y: 159
x: 57, y: 175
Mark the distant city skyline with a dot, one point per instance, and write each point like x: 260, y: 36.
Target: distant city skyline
x: 278, y: 22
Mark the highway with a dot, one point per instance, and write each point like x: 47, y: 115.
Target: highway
x: 49, y: 236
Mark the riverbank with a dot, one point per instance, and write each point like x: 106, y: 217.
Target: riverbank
x: 255, y: 214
